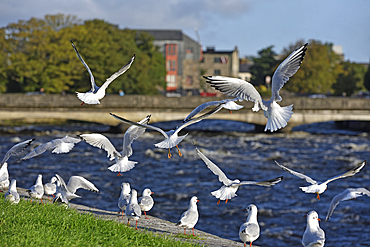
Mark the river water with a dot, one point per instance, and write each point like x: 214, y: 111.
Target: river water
x: 318, y: 150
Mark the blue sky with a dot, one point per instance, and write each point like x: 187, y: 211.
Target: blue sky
x: 249, y: 24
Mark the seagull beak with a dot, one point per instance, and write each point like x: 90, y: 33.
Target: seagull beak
x: 245, y: 209
x: 305, y: 215
x: 318, y: 219
x: 152, y: 192
x: 197, y: 200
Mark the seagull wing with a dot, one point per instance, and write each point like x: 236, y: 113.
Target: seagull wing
x: 132, y: 134
x: 61, y: 186
x: 286, y: 70
x: 236, y: 88
x: 94, y: 87
x: 78, y: 182
x: 139, y: 124
x: 300, y: 175
x: 118, y: 73
x: 16, y: 149
x: 215, y: 169
x: 266, y: 183
x: 347, y: 194
x: 102, y: 142
x: 200, y: 108
x: 350, y: 173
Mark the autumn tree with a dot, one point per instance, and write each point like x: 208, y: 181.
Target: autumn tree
x: 319, y: 69
x: 350, y: 79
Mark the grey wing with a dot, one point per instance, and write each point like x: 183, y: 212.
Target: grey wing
x: 300, y: 175
x: 139, y: 124
x: 250, y: 229
x: 266, y: 183
x: 78, y: 182
x: 286, y: 70
x: 347, y: 194
x: 146, y: 200
x: 94, y: 87
x: 68, y: 139
x: 235, y: 87
x: 118, y: 73
x: 16, y: 149
x: 42, y: 148
x: 215, y: 169
x: 188, y: 217
x: 132, y: 134
x: 195, y: 120
x: 61, y: 187
x: 102, y: 142
x: 200, y: 108
x: 350, y: 173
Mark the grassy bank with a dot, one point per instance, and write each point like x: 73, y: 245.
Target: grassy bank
x: 33, y: 224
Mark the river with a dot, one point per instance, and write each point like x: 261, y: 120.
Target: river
x: 319, y: 151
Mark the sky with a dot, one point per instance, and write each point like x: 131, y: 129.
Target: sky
x: 251, y: 25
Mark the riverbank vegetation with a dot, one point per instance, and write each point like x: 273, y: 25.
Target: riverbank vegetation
x: 34, y: 224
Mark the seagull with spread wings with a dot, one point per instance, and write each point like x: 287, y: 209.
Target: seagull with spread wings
x: 277, y: 116
x: 229, y: 187
x: 122, y: 163
x: 171, y: 137
x: 317, y: 187
x: 97, y: 93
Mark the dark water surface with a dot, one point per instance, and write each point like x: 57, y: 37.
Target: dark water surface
x: 317, y: 150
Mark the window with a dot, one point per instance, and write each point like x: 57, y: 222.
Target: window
x: 171, y: 80
x: 217, y: 60
x: 189, y: 80
x: 171, y: 65
x: 217, y: 72
x: 171, y: 49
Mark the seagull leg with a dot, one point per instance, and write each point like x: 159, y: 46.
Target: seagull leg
x: 179, y: 151
x: 128, y: 222
x: 122, y: 214
x: 226, y: 201
x: 185, y: 231
x: 136, y: 226
x: 145, y: 215
x: 193, y: 231
x: 82, y: 103
x: 250, y: 244
x: 218, y: 202
x: 169, y: 154
x: 318, y: 196
x: 230, y: 111
x: 42, y: 201
x: 119, y: 174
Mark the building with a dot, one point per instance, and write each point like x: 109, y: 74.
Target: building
x: 225, y: 63
x: 182, y: 55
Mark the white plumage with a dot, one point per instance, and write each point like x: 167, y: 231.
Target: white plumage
x: 250, y: 230
x: 12, y: 195
x: 190, y: 217
x: 146, y: 202
x: 313, y: 236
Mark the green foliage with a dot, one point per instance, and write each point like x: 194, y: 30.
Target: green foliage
x: 37, y: 54
x: 319, y: 69
x: 350, y: 80
x: 263, y: 66
x: 367, y: 78
x: 33, y: 224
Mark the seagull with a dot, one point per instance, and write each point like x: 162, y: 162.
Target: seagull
x: 133, y: 210
x: 124, y: 198
x: 317, y: 187
x: 348, y: 194
x: 122, y: 163
x: 12, y: 196
x: 228, y: 190
x: 146, y: 202
x: 190, y: 217
x: 313, y: 236
x: 50, y: 188
x: 277, y: 116
x: 37, y: 190
x: 171, y: 137
x: 250, y: 230
x: 97, y: 93
x: 58, y: 146
x: 13, y: 151
x: 67, y: 191
x: 228, y: 104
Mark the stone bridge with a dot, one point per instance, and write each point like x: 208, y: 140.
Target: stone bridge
x: 46, y: 108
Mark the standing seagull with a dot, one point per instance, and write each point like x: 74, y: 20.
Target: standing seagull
x: 133, y: 210
x: 317, y: 187
x: 58, y: 146
x: 347, y: 194
x: 228, y: 190
x: 190, y: 217
x: 146, y: 202
x: 313, y: 236
x: 37, y: 190
x: 50, y: 188
x: 97, y: 93
x: 124, y: 198
x: 122, y: 163
x: 277, y: 116
x: 171, y: 137
x: 12, y: 196
x: 13, y: 151
x: 250, y: 230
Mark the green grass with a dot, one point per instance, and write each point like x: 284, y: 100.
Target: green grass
x: 33, y: 224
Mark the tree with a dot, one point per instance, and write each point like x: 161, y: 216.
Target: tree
x: 367, y: 78
x: 263, y: 65
x: 350, y: 80
x: 318, y: 71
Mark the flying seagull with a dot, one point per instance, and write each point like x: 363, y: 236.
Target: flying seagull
x: 277, y: 116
